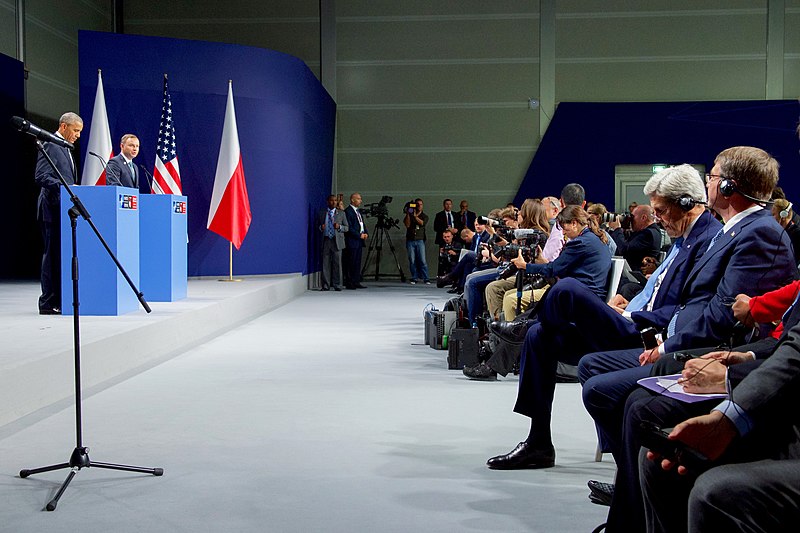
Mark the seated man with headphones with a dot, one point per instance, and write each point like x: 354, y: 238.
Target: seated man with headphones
x: 750, y: 254
x: 573, y: 320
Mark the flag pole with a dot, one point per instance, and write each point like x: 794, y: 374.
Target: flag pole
x: 230, y: 264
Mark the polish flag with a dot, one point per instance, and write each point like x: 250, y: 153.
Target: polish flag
x: 229, y: 214
x: 94, y: 167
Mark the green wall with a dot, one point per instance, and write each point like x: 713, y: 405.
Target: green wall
x: 433, y: 94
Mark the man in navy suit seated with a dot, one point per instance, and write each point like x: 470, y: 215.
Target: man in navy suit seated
x: 121, y: 171
x: 48, y: 211
x: 573, y: 320
x: 749, y: 255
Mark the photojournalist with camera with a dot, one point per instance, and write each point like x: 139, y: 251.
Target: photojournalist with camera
x: 495, y: 253
x: 637, y: 235
x: 532, y: 216
x: 415, y: 221
x: 449, y: 252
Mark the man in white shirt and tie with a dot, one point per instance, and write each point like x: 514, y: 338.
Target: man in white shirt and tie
x: 356, y: 238
x: 121, y: 171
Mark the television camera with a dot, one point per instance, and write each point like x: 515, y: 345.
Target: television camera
x: 380, y: 211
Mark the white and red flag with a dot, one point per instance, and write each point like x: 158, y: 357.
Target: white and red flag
x: 229, y: 214
x: 166, y: 174
x: 100, y: 149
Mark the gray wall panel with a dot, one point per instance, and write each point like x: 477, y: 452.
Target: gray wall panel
x: 455, y: 84
x: 436, y: 128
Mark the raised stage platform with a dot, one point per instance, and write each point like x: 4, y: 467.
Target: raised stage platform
x: 36, y: 354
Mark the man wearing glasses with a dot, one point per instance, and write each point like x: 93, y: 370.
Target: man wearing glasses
x: 573, y: 321
x: 750, y: 254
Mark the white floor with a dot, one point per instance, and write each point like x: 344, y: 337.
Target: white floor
x: 326, y: 414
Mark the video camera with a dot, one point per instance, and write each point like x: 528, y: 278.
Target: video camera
x: 380, y: 211
x: 625, y: 219
x: 410, y: 207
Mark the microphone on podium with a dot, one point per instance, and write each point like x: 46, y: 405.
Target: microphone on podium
x: 148, y: 176
x: 100, y: 158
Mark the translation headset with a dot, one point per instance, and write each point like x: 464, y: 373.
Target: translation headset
x: 727, y: 187
x: 686, y: 202
x: 784, y: 213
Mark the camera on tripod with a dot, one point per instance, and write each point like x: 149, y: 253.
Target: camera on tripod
x: 625, y: 219
x: 380, y: 211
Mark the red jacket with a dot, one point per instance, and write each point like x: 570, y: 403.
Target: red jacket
x: 771, y: 306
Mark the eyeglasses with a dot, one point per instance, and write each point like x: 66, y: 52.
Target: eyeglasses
x: 659, y: 212
x: 711, y: 177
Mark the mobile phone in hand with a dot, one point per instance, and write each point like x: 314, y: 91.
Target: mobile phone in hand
x: 657, y: 440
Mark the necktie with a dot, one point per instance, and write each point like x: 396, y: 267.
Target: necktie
x: 449, y: 220
x: 329, y: 229
x: 641, y: 300
x: 715, y: 238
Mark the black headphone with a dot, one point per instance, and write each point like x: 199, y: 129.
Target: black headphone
x: 784, y: 213
x: 727, y: 187
x: 686, y: 202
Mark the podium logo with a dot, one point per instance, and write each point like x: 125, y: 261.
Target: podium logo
x: 179, y: 208
x: 128, y: 201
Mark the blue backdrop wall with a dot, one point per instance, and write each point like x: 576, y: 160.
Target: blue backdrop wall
x: 20, y: 242
x: 286, y: 123
x: 585, y: 141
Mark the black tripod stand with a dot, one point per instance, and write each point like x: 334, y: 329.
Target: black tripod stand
x: 80, y: 455
x: 381, y: 233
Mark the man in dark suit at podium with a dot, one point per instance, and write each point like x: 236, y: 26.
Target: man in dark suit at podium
x: 48, y: 211
x: 121, y: 171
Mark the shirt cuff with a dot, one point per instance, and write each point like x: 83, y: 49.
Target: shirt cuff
x: 737, y: 415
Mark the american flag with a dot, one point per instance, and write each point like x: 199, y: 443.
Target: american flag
x: 167, y: 174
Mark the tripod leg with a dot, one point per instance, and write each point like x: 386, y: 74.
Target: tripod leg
x: 396, y: 261
x: 51, y: 505
x: 28, y: 472
x: 128, y: 468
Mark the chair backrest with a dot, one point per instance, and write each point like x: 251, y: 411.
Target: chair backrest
x: 617, y: 264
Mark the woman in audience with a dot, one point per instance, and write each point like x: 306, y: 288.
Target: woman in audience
x: 532, y: 215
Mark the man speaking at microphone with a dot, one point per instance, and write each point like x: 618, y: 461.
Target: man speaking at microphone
x: 48, y: 210
x: 121, y: 170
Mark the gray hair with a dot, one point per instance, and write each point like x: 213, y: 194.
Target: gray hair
x: 70, y: 118
x: 674, y: 182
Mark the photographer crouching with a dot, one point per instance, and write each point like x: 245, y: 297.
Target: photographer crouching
x: 415, y: 221
x: 449, y: 253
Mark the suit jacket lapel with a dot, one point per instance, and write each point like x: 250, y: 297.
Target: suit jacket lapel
x: 723, y: 242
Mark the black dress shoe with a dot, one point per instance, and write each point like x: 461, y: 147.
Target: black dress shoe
x: 523, y: 456
x: 50, y: 311
x: 601, y: 493
x: 480, y: 372
x: 324, y: 288
x: 337, y: 289
x: 443, y: 281
x: 360, y: 286
x: 513, y: 332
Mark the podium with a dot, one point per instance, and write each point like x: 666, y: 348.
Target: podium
x: 162, y: 247
x: 102, y: 288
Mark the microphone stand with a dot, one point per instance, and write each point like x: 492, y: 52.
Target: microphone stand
x: 149, y: 177
x: 80, y: 455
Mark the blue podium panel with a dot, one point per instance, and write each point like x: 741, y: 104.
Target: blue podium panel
x: 162, y: 248
x: 102, y: 288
